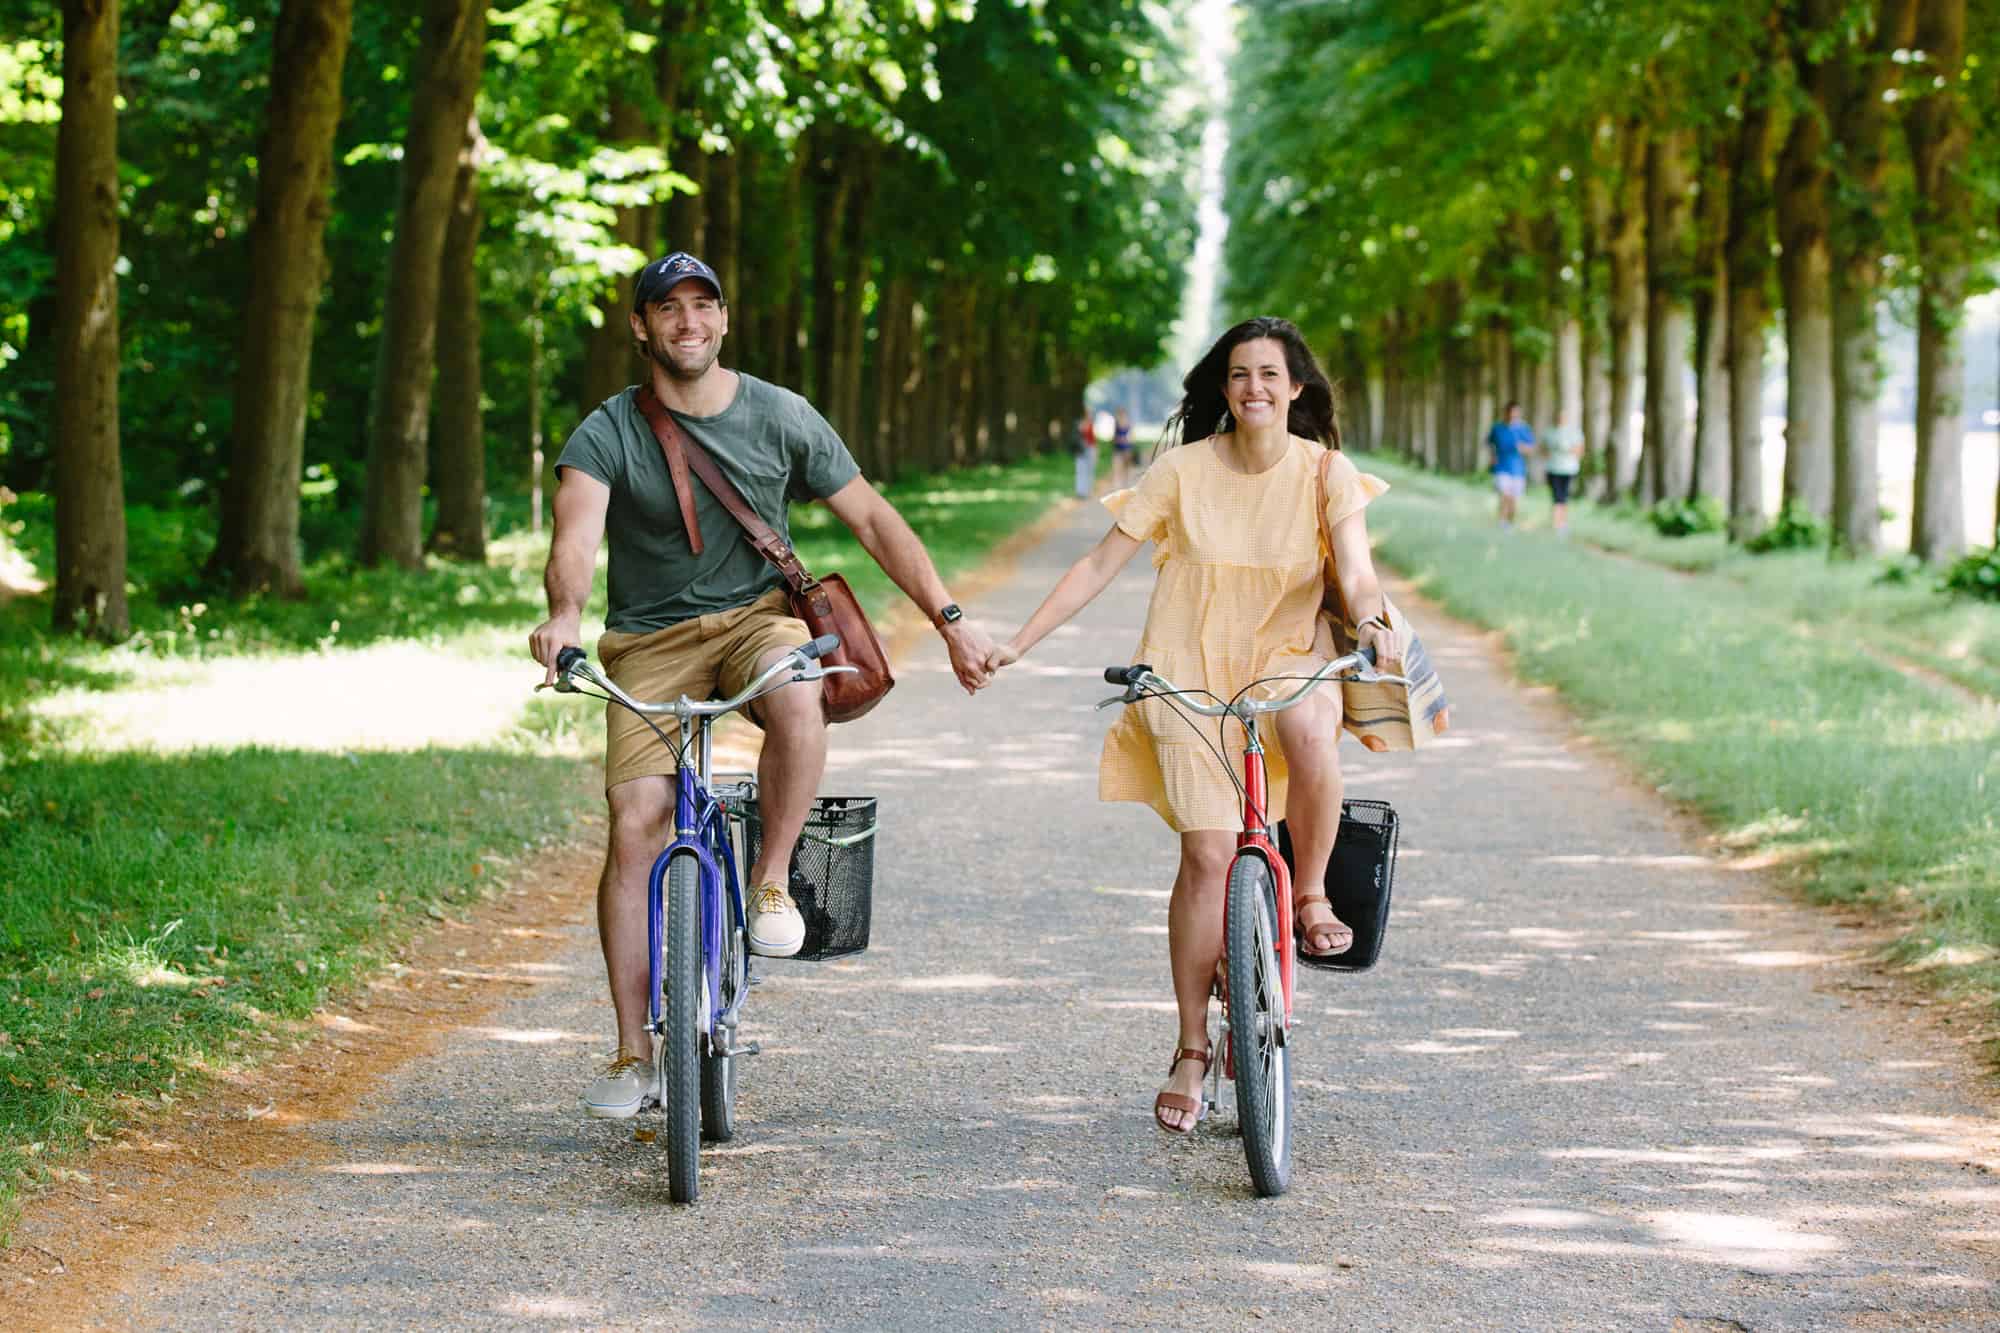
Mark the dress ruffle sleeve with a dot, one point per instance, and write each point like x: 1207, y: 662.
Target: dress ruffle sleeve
x: 1349, y: 489
x: 1143, y: 510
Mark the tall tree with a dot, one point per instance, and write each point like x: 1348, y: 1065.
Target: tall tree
x: 1860, y: 119
x: 1626, y: 251
x: 1939, y: 128
x: 1669, y: 314
x: 1711, y: 313
x: 1805, y: 267
x: 458, y: 454
x: 1748, y: 260
x: 447, y: 80
x: 257, y: 548
x: 90, y: 481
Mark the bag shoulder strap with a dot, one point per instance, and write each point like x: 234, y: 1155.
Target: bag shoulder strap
x: 762, y: 536
x: 673, y: 443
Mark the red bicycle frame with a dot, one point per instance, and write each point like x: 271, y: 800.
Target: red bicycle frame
x: 1256, y: 837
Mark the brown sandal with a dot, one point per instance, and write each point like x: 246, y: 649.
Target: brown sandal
x: 1174, y: 1101
x: 1333, y: 923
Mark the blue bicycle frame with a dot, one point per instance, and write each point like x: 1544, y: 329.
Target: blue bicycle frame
x: 701, y: 830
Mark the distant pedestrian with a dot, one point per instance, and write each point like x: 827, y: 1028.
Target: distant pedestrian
x: 1510, y: 470
x: 1085, y: 451
x: 1562, y: 458
x: 1121, y: 451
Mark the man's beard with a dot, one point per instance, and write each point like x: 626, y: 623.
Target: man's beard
x: 660, y: 357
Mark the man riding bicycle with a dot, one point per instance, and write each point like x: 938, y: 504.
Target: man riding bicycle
x: 695, y: 610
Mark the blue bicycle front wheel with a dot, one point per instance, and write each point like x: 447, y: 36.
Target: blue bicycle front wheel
x: 681, y: 1014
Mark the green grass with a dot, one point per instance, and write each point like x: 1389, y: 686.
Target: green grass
x: 1748, y: 697
x: 163, y: 913
x: 1888, y: 603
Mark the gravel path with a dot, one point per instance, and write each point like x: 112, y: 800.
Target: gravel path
x: 1599, y: 1081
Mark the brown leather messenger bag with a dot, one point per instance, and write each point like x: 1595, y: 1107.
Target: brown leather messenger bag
x: 827, y: 605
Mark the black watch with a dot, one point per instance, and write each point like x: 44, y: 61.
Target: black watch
x: 948, y: 614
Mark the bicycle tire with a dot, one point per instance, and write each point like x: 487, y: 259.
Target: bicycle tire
x: 1256, y: 1025
x: 718, y: 1072
x: 681, y: 1043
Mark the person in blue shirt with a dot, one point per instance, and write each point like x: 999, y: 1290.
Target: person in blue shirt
x: 1510, y: 470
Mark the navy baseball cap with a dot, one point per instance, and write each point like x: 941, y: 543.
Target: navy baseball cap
x: 663, y: 275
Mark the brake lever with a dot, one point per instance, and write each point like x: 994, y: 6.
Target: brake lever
x: 1369, y: 676
x: 820, y: 673
x: 562, y: 685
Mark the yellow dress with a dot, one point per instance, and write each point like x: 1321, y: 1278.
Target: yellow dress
x: 1239, y: 560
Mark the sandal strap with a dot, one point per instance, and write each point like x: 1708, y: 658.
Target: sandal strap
x: 1304, y: 900
x: 1187, y: 1053
x: 1173, y: 1101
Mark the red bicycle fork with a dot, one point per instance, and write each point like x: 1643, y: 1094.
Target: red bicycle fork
x: 1256, y: 837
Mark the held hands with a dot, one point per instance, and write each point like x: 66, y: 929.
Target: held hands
x: 1002, y: 655
x: 969, y: 648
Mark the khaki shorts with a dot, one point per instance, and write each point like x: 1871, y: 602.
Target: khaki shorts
x: 709, y: 657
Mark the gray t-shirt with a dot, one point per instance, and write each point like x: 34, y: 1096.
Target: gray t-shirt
x: 769, y: 441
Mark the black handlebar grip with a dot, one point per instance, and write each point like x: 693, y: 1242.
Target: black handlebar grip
x: 1366, y: 654
x: 821, y: 646
x: 1125, y: 675
x: 568, y: 658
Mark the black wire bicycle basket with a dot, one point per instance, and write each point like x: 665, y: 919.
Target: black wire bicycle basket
x: 1359, y: 877
x: 833, y: 873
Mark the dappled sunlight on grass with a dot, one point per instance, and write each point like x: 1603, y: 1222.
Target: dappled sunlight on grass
x: 396, y: 696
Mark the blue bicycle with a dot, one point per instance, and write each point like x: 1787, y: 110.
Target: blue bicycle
x: 696, y: 922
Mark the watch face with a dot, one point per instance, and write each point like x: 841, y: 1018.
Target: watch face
x: 950, y: 614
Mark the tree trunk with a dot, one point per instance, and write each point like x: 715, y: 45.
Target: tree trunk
x: 725, y: 221
x: 445, y: 84
x: 1860, y: 126
x: 1711, y: 318
x: 1805, y: 267
x: 831, y: 184
x: 687, y: 211
x: 1939, y: 129
x: 1626, y: 247
x: 786, y: 295
x: 894, y: 317
x: 458, y: 464
x: 535, y: 457
x: 607, y: 349
x: 1668, y: 461
x: 854, y: 264
x: 256, y: 549
x: 1596, y: 403
x: 89, y: 472
x: 1747, y: 256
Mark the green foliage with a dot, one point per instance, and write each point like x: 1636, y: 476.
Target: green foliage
x: 1684, y: 518
x: 1900, y: 571
x: 1795, y: 528
x: 1976, y: 574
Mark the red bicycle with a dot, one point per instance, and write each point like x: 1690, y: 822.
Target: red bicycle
x: 1257, y: 922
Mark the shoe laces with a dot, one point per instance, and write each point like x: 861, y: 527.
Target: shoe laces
x: 770, y: 897
x: 624, y: 1062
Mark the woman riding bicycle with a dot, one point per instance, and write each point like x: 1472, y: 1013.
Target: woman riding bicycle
x: 1240, y: 583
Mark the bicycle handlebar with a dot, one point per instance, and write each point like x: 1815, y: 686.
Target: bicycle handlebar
x: 1139, y: 679
x: 574, y: 661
